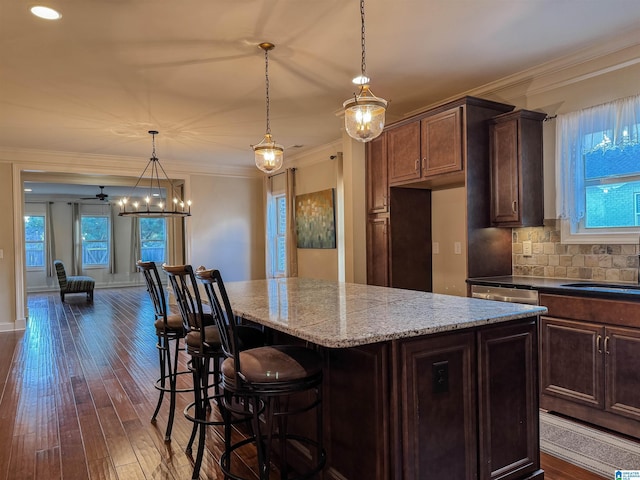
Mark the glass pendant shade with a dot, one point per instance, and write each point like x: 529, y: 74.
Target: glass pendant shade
x: 269, y: 155
x: 364, y: 115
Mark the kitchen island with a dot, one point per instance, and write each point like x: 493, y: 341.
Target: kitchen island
x: 417, y: 385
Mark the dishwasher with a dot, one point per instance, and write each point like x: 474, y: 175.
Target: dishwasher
x: 505, y: 294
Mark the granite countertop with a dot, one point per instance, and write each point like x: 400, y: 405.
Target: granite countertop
x: 340, y: 315
x: 566, y: 286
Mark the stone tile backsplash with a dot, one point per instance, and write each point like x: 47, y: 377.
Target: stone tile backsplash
x: 550, y: 258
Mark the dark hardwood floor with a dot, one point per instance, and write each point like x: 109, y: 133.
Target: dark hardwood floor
x: 77, y: 397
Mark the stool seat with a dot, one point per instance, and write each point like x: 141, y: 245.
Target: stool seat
x: 273, y: 365
x: 172, y: 325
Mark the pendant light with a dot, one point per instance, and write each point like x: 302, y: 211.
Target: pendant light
x: 150, y: 201
x: 268, y: 154
x: 364, y: 113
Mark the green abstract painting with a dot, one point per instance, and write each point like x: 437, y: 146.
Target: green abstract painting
x: 315, y: 220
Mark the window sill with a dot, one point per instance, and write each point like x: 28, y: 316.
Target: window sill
x: 567, y: 236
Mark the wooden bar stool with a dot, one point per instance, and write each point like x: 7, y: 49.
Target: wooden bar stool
x: 169, y: 329
x: 264, y: 379
x: 203, y: 344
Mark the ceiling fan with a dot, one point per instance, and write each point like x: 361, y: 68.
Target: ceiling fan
x: 100, y: 196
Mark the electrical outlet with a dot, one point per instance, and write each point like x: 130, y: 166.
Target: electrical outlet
x: 457, y: 248
x: 436, y: 248
x: 1, y: 253
x: 527, y: 249
x: 440, y: 375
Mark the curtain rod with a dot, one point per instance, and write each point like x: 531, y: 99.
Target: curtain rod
x: 282, y: 173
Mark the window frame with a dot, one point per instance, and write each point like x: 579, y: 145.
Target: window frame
x: 279, y: 238
x: 141, y: 240
x: 38, y: 268
x: 90, y: 266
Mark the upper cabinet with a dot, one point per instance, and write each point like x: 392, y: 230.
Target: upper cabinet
x: 516, y: 169
x: 376, y: 174
x: 425, y: 147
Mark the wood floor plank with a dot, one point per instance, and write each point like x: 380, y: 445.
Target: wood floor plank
x: 77, y: 395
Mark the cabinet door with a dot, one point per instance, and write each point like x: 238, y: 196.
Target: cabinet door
x: 441, y: 141
x: 378, y: 251
x: 505, y: 175
x: 572, y: 361
x: 377, y: 189
x: 622, y: 360
x: 437, y: 398
x: 508, y: 401
x: 403, y: 150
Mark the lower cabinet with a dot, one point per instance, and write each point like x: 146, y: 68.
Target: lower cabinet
x: 468, y: 404
x: 590, y: 366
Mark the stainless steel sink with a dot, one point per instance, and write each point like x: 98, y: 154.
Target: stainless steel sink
x: 605, y: 286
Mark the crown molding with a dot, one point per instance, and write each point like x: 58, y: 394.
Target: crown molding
x: 44, y: 160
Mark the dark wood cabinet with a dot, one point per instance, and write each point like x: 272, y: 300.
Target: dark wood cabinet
x: 403, y: 151
x: 447, y: 430
x: 378, y: 249
x: 516, y: 169
x: 441, y: 142
x: 425, y: 147
x: 508, y: 395
x: 590, y: 367
x: 444, y: 147
x: 376, y: 175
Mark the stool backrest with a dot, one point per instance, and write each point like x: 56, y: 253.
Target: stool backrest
x: 154, y: 287
x: 185, y: 289
x: 61, y: 273
x: 222, y: 312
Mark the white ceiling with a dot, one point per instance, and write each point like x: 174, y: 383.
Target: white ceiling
x: 110, y: 70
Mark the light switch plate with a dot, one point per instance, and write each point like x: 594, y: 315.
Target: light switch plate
x: 527, y: 250
x: 457, y: 248
x: 436, y: 248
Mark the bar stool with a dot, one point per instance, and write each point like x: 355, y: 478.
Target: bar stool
x: 203, y: 344
x: 169, y: 329
x: 264, y: 379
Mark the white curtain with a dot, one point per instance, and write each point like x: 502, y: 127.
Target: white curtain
x: 76, y: 233
x: 136, y: 253
x: 603, y: 127
x: 286, y: 185
x: 292, y: 237
x: 51, y: 241
x: 112, y: 240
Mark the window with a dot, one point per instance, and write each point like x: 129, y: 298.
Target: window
x: 153, y: 239
x: 34, y: 233
x: 598, y: 186
x: 95, y: 241
x: 280, y: 261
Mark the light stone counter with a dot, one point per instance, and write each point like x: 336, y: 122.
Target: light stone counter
x: 342, y: 315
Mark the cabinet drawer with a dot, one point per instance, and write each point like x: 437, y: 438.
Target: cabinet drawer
x: 612, y: 312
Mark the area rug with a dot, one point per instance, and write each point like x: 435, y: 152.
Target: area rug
x: 587, y: 447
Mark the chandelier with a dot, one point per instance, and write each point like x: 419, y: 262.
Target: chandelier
x: 364, y: 113
x: 268, y: 154
x: 149, y: 201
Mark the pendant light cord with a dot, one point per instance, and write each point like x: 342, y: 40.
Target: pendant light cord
x: 266, y: 76
x: 364, y: 63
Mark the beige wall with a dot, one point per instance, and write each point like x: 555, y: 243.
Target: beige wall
x: 315, y: 262
x: 227, y: 226
x: 7, y: 262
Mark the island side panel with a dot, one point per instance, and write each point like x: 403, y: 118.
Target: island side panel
x: 438, y: 407
x: 508, y: 401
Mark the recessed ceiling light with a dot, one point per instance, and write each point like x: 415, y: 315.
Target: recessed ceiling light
x: 46, y: 13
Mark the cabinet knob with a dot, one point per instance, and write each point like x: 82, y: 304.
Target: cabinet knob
x: 599, y: 343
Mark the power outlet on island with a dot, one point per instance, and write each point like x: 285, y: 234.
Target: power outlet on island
x: 527, y: 249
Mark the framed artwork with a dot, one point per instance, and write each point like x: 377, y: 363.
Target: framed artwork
x: 315, y: 220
